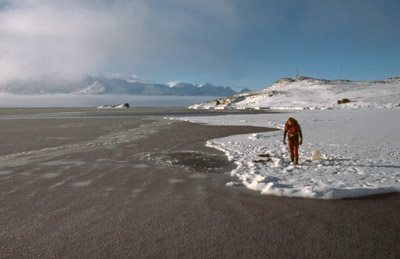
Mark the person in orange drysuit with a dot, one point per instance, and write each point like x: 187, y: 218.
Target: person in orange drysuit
x: 295, y: 137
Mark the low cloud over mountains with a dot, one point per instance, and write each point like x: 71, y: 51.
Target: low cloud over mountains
x: 99, y: 84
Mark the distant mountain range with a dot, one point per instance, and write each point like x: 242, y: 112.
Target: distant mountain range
x: 115, y: 85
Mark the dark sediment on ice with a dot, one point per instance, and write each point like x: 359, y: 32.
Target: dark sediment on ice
x: 163, y: 195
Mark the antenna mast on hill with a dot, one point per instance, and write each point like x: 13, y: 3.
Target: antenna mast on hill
x: 297, y: 72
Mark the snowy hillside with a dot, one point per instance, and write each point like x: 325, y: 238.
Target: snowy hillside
x: 308, y: 93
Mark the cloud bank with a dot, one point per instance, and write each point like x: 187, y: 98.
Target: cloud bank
x: 67, y: 39
x: 209, y: 39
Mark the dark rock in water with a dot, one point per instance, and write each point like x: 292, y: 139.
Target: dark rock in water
x: 344, y: 100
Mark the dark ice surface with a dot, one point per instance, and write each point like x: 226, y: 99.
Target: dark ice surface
x: 87, y: 183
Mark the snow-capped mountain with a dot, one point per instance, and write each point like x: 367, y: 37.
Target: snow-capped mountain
x: 95, y: 88
x: 99, y: 84
x: 130, y: 87
x: 310, y: 93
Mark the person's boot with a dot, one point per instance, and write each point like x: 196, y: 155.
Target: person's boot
x: 297, y: 161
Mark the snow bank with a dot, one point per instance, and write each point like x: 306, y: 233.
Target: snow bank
x: 359, y: 149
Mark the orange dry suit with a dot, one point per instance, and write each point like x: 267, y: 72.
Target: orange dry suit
x: 294, y: 131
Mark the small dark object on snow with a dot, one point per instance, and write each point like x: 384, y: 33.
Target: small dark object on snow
x: 344, y: 100
x: 262, y: 161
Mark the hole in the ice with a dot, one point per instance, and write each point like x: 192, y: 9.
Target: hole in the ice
x: 194, y: 161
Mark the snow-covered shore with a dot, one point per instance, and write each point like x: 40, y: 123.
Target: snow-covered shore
x: 358, y: 143
x: 302, y: 93
x: 360, y: 154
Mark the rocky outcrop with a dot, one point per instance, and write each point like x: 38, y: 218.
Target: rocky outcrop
x: 343, y: 101
x: 114, y: 106
x: 302, y: 78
